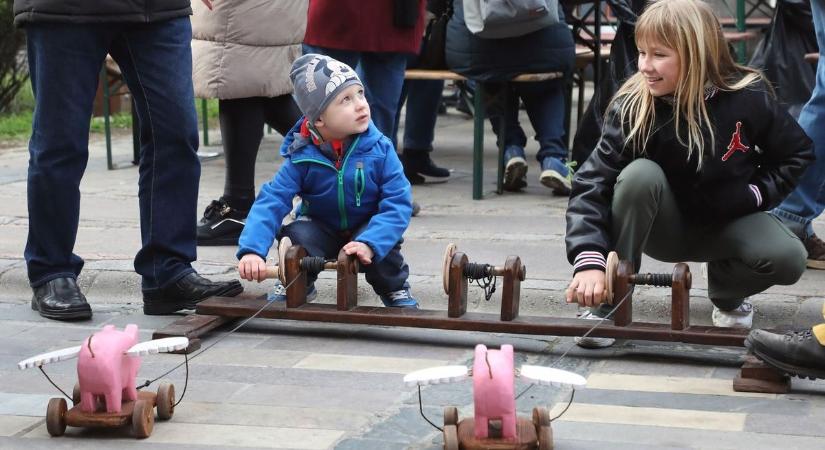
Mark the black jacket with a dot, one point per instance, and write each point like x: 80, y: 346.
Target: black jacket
x: 98, y: 11
x: 777, y: 153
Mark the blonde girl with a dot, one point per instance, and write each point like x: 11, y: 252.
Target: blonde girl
x: 694, y: 148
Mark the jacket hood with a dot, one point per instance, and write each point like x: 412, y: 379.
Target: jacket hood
x: 294, y: 143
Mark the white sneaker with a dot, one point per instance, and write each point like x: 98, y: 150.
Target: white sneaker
x: 592, y: 342
x: 741, y: 317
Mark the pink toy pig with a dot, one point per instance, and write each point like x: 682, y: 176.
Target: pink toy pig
x: 494, y: 390
x: 103, y: 368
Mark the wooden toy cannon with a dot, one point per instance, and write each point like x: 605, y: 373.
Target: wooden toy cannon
x: 105, y: 394
x: 494, y: 424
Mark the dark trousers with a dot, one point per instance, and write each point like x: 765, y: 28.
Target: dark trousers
x: 64, y: 64
x: 242, y: 121
x: 385, y: 276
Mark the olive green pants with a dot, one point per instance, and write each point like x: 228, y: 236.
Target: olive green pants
x: 745, y: 256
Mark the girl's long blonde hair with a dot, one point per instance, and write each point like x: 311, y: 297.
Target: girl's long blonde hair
x: 691, y: 29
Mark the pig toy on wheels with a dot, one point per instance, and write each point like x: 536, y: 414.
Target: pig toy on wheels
x: 105, y: 394
x: 495, y: 424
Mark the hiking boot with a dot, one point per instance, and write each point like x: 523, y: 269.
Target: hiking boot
x: 816, y: 252
x: 399, y: 299
x: 592, y: 342
x: 515, y: 169
x: 418, y: 162
x: 556, y: 175
x: 221, y: 224
x: 797, y: 353
x: 278, y: 292
x: 740, y: 317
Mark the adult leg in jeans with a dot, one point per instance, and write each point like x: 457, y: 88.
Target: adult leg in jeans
x: 504, y: 116
x: 156, y: 62
x: 64, y: 63
x: 807, y: 201
x: 545, y: 105
x: 423, y: 99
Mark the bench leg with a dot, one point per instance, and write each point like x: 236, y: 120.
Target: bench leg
x: 502, y: 135
x: 478, y: 141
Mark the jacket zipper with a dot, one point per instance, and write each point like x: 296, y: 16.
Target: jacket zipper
x: 359, y: 177
x: 342, y: 211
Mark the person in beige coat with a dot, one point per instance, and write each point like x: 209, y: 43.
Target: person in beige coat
x: 242, y: 51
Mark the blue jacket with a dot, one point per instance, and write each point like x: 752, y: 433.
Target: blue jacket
x: 370, y: 188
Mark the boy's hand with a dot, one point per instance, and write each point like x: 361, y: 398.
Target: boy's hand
x: 361, y: 250
x: 252, y: 267
x: 587, y: 288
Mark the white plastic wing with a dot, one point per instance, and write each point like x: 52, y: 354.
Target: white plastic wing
x: 436, y: 375
x: 169, y: 344
x: 551, y: 376
x: 50, y: 357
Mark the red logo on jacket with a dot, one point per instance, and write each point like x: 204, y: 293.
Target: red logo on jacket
x: 735, y: 143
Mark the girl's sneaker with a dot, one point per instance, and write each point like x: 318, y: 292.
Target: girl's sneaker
x: 399, y: 299
x: 741, y: 317
x: 278, y: 293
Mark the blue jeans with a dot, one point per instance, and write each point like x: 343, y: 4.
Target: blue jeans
x: 64, y: 64
x: 382, y: 74
x: 387, y: 275
x: 807, y: 201
x: 544, y: 102
x: 423, y: 100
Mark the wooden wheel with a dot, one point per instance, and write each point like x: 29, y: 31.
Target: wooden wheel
x: 165, y: 401
x: 76, y: 394
x: 283, y: 246
x: 451, y: 437
x: 143, y: 419
x: 445, y: 271
x: 541, y: 417
x: 56, y: 417
x: 545, y: 438
x: 610, y: 275
x: 450, y: 415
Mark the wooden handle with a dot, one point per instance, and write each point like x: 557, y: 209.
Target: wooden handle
x: 273, y: 272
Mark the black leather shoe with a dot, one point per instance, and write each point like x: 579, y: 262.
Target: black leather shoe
x: 186, y: 293
x: 796, y: 353
x: 61, y: 299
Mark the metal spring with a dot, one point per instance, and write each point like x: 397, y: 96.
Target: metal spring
x: 652, y: 279
x: 312, y: 265
x: 475, y: 271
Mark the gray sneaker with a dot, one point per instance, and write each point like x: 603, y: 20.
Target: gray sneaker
x: 741, y: 317
x: 592, y: 342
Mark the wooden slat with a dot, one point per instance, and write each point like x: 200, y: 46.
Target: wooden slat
x: 421, y: 74
x: 77, y: 418
x: 812, y: 57
x: 190, y: 326
x: 485, y: 322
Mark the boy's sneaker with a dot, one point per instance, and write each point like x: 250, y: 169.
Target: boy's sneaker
x: 592, y: 342
x: 221, y: 224
x: 278, y: 293
x: 399, y: 299
x: 797, y: 353
x: 816, y: 252
x: 556, y: 175
x: 741, y: 317
x: 515, y: 168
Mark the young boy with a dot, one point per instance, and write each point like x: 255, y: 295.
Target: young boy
x: 352, y: 186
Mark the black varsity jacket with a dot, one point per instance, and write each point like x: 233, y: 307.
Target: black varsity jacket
x: 759, y: 155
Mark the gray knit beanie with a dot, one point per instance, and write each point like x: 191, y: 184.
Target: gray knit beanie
x: 317, y: 79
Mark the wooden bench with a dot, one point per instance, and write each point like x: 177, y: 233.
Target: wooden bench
x: 478, y: 119
x: 812, y: 57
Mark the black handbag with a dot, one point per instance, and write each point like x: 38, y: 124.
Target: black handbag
x: 432, y: 55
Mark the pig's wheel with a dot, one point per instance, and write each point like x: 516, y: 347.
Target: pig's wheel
x: 166, y: 401
x: 56, y: 417
x: 451, y: 437
x: 545, y: 438
x: 143, y: 419
x: 450, y: 415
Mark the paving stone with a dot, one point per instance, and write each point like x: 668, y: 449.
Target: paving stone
x: 13, y: 424
x: 272, y: 416
x: 360, y: 398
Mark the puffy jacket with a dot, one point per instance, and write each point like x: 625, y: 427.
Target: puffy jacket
x: 361, y: 26
x: 759, y: 155
x: 98, y: 11
x: 370, y: 188
x: 245, y: 48
x: 550, y: 49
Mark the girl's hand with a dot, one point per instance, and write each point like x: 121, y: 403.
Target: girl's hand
x: 252, y: 267
x: 587, y: 288
x: 361, y: 250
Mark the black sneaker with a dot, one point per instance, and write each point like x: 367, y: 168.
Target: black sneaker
x: 420, y: 163
x: 797, y: 353
x: 221, y: 224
